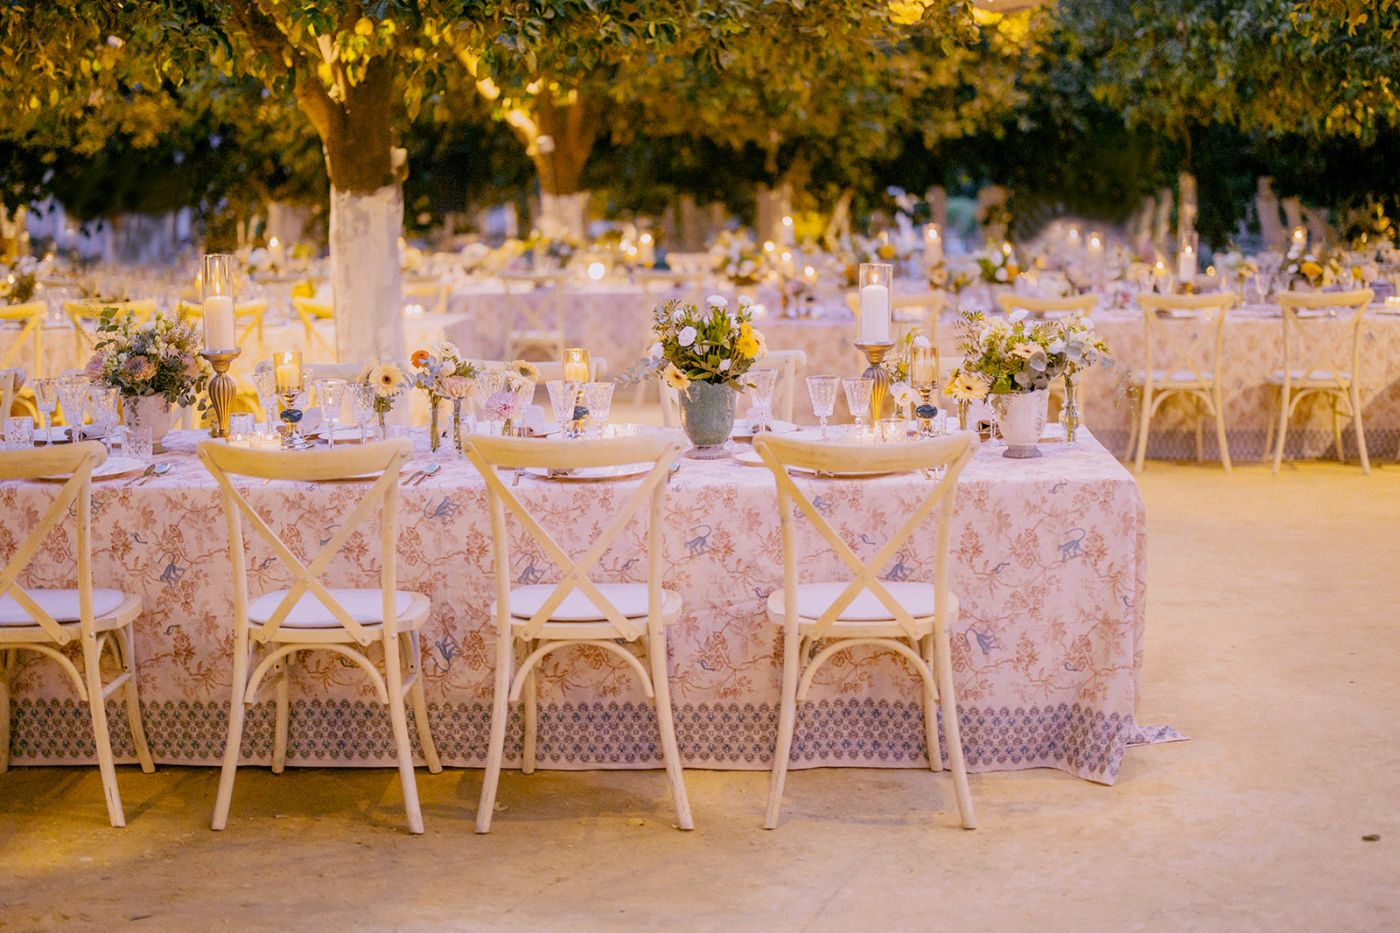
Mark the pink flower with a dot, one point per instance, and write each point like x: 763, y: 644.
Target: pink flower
x: 502, y: 405
x: 96, y: 365
x: 189, y: 365
x: 138, y: 369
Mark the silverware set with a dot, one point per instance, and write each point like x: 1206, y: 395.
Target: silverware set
x: 154, y: 470
x: 417, y: 476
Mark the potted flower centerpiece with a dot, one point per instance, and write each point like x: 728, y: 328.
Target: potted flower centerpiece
x: 1017, y: 360
x: 443, y: 374
x: 703, y: 353
x: 155, y: 367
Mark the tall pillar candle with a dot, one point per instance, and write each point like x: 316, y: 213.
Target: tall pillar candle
x: 218, y: 323
x: 874, y: 323
x: 933, y: 246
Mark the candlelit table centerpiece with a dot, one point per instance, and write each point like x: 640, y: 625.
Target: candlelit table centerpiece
x: 220, y: 342
x: 873, y: 329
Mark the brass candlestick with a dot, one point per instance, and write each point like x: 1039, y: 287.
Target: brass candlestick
x: 223, y: 389
x: 880, y: 379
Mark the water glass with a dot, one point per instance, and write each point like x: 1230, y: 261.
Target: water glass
x: 598, y: 397
x: 362, y: 403
x: 760, y: 384
x: 893, y: 430
x: 858, y: 397
x: 138, y: 442
x: 822, y: 391
x: 265, y: 384
x: 19, y: 433
x: 240, y: 428
x: 331, y: 393
x: 104, y: 410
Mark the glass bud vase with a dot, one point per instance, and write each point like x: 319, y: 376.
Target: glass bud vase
x: 434, y: 431
x: 1069, y: 412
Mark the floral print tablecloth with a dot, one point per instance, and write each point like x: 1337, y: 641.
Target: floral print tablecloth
x: 1048, y: 561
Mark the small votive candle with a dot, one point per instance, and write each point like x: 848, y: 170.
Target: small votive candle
x: 286, y: 366
x: 923, y: 364
x: 576, y: 368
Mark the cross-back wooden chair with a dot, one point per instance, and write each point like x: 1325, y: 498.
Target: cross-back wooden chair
x: 44, y: 621
x: 577, y: 611
x: 1320, y: 358
x: 11, y: 380
x: 311, y: 311
x: 248, y: 314
x: 429, y: 294
x: 790, y: 365
x: 1039, y: 307
x: 819, y: 620
x: 83, y: 313
x: 30, y: 317
x: 312, y: 616
x: 537, y: 320
x: 1183, y: 343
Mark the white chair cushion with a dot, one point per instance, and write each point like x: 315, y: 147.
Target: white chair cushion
x: 814, y: 598
x: 1173, y: 377
x: 364, y: 606
x: 61, y: 604
x: 1316, y: 376
x: 629, y: 598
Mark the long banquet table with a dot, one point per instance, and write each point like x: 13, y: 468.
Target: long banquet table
x: 614, y: 323
x: 1048, y: 561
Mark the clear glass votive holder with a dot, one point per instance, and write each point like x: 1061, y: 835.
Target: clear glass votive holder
x: 138, y: 442
x: 19, y: 433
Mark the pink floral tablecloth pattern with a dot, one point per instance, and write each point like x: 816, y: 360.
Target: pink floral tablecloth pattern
x: 1048, y: 562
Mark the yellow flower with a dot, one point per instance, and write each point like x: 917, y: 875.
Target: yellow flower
x: 966, y: 387
x: 1311, y: 269
x: 675, y: 378
x: 906, y: 12
x: 762, y: 343
x: 304, y: 290
x: 886, y: 251
x: 387, y: 379
x: 364, y: 26
x: 526, y: 370
x: 747, y: 346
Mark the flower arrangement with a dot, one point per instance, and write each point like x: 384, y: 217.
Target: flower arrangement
x: 442, y: 373
x: 1014, y: 355
x: 710, y: 345
x: 159, y: 357
x: 1313, y: 270
x: 737, y: 257
x: 557, y: 250
x: 388, y: 381
x: 998, y: 266
x: 21, y: 281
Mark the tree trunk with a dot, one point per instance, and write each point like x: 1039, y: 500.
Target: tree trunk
x: 559, y: 141
x: 564, y: 215
x: 366, y: 217
x: 1266, y: 206
x: 1186, y: 208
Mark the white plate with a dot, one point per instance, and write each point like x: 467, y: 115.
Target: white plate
x: 592, y: 474
x: 110, y: 468
x: 742, y: 431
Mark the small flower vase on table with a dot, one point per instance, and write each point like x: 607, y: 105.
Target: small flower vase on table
x: 1021, y: 419
x: 434, y: 430
x: 1069, y: 412
x: 707, y: 415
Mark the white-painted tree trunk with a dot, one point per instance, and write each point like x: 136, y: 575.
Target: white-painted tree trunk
x: 564, y: 214
x: 288, y: 222
x: 1186, y: 209
x: 1266, y: 206
x: 1162, y: 224
x: 364, y: 235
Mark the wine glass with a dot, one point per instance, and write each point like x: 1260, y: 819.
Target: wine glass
x: 858, y: 398
x: 822, y: 391
x: 562, y: 398
x: 73, y: 399
x: 760, y: 383
x: 331, y: 393
x: 362, y: 403
x: 104, y: 411
x: 46, y: 400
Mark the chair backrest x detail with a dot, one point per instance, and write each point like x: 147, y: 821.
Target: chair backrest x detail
x: 660, y: 449
x: 1185, y: 333
x: 950, y: 453
x: 77, y: 462
x: 385, y: 458
x: 1312, y: 341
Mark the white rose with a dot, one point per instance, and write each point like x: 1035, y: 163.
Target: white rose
x: 724, y: 365
x: 717, y: 301
x: 686, y: 337
x: 745, y: 301
x: 1001, y: 274
x: 1020, y: 313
